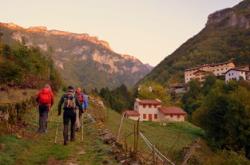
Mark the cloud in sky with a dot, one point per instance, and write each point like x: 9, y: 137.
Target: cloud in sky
x: 147, y: 29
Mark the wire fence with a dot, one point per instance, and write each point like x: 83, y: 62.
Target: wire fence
x: 155, y: 157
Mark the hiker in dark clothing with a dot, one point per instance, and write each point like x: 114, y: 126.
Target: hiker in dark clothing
x: 70, y: 104
x: 45, y: 100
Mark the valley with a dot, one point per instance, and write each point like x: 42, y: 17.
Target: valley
x: 193, y: 108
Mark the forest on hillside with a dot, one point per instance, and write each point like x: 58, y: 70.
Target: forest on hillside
x: 24, y: 67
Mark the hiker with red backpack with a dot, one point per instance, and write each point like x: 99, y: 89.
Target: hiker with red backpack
x: 70, y: 103
x: 45, y: 100
x: 80, y: 97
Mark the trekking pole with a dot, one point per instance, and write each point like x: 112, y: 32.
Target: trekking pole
x: 82, y: 127
x: 57, y: 127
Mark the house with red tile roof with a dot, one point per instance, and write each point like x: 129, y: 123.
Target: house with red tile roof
x: 172, y: 114
x: 131, y: 114
x: 152, y: 110
x: 200, y: 72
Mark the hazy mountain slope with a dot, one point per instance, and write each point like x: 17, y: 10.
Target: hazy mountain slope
x: 80, y: 58
x: 226, y: 36
x: 24, y: 67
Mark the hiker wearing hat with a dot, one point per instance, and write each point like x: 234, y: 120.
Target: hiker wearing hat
x: 70, y: 103
x: 45, y: 100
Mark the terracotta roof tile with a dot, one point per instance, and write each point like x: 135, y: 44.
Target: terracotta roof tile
x: 172, y: 111
x: 147, y: 102
x: 210, y: 65
x: 131, y: 113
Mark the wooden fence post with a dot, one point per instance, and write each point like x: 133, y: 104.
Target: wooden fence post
x: 120, y: 127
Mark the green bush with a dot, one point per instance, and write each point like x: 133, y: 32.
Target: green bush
x: 23, y: 66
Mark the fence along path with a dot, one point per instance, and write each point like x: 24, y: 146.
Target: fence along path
x: 152, y: 147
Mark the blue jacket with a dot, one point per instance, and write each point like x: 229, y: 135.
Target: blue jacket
x: 86, y: 101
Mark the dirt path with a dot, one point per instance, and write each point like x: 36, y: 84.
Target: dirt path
x: 40, y: 148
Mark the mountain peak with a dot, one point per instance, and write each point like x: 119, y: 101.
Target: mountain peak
x: 129, y: 57
x: 37, y: 29
x: 82, y: 59
x: 10, y: 25
x: 237, y: 16
x: 225, y: 37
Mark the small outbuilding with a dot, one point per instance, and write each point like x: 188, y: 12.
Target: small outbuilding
x: 172, y: 114
x: 131, y: 114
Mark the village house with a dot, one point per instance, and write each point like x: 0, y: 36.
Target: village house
x: 202, y: 71
x: 152, y: 110
x: 178, y: 88
x: 172, y: 114
x: 238, y: 74
x: 131, y: 114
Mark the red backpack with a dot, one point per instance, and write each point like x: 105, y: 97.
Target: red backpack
x: 80, y: 97
x: 44, y: 97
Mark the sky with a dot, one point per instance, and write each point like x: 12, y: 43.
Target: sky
x: 147, y: 29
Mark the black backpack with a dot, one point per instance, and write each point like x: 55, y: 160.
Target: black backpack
x: 69, y: 101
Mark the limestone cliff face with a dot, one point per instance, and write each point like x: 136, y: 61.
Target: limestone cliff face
x: 81, y: 58
x: 232, y: 17
x: 229, y: 18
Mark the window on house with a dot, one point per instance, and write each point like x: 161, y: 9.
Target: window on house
x: 155, y: 116
x: 171, y: 116
x: 144, y: 116
x: 144, y: 106
x: 149, y: 105
x: 178, y: 116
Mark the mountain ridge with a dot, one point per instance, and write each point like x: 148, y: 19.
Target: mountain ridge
x: 225, y: 36
x: 82, y: 59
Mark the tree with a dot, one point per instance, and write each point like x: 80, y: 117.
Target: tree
x: 118, y: 99
x: 192, y: 99
x: 225, y: 116
x: 209, y: 82
x: 153, y: 90
x: 6, y: 50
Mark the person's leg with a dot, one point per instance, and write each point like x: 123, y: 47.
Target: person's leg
x: 40, y: 119
x: 65, y: 126
x: 77, y: 123
x: 46, y: 114
x: 72, y: 129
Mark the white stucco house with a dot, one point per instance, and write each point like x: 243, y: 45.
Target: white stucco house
x: 152, y: 110
x: 200, y: 72
x: 238, y: 74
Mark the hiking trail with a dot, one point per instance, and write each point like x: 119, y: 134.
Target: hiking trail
x: 29, y: 147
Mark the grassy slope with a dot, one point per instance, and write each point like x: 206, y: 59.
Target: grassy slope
x: 170, y: 139
x: 16, y: 95
x: 40, y: 149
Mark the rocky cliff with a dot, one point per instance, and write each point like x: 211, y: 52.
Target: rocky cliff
x: 225, y: 36
x: 81, y: 59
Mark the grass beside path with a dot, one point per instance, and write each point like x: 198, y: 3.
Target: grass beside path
x: 169, y: 139
x: 40, y: 148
